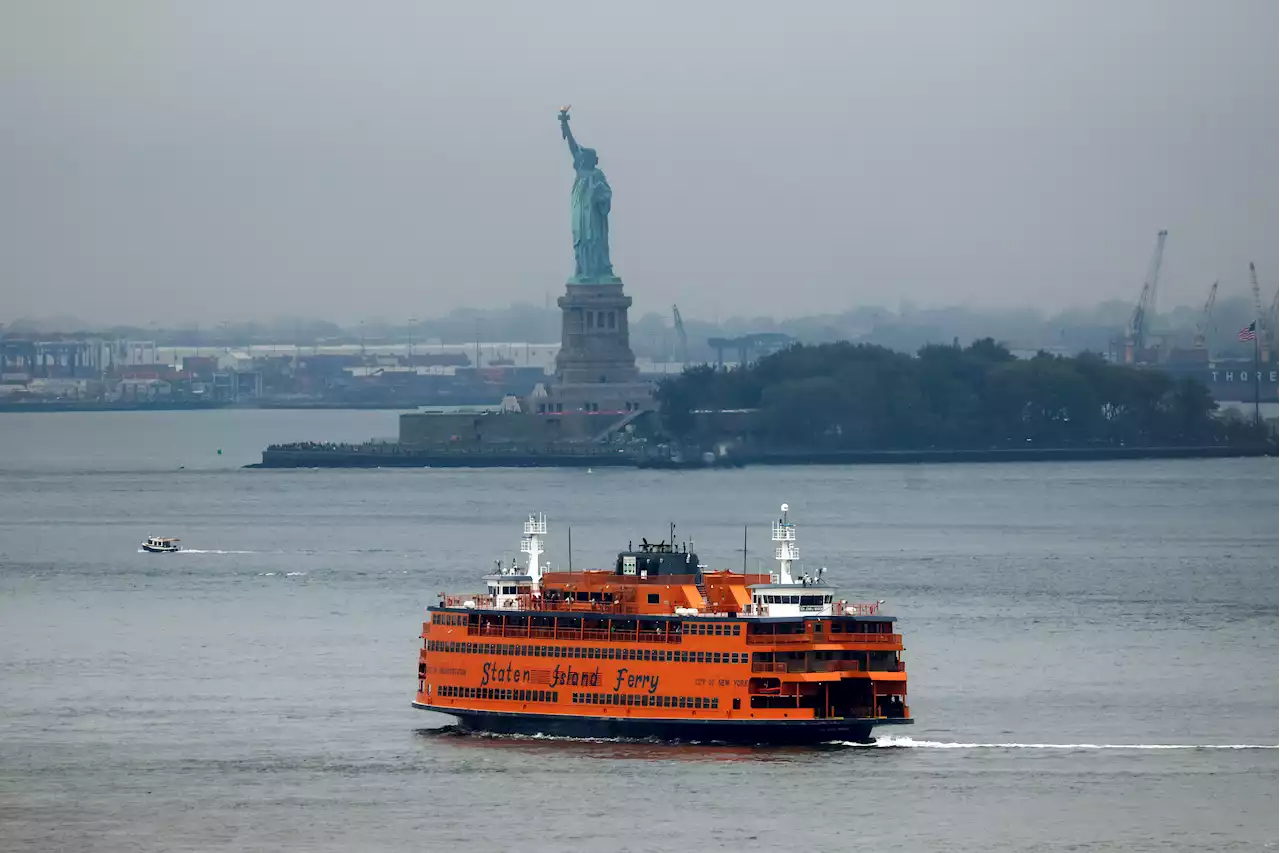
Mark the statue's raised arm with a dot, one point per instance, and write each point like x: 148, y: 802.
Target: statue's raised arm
x: 567, y: 133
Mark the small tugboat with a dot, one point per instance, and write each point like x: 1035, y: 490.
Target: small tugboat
x: 160, y: 545
x: 661, y: 647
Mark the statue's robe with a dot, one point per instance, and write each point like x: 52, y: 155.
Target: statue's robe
x: 592, y: 200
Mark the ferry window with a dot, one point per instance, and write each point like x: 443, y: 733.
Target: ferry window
x: 716, y: 657
x: 715, y: 703
x: 701, y: 658
x: 653, y: 598
x: 719, y: 630
x: 682, y: 702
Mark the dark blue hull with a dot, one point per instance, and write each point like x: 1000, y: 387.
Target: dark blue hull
x: 718, y: 731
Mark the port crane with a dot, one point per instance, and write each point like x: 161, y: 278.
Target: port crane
x: 1202, y: 327
x: 1257, y: 291
x: 1271, y: 315
x: 1265, y: 330
x: 682, y: 339
x: 1137, y: 332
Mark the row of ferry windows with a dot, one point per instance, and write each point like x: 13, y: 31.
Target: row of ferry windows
x: 644, y: 700
x: 587, y: 653
x: 716, y: 629
x: 803, y: 600
x: 498, y: 693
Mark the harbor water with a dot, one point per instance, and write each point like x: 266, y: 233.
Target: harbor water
x: 1092, y: 651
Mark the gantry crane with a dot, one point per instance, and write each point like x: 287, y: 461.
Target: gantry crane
x: 1264, y: 329
x: 1202, y: 326
x: 1271, y: 316
x: 682, y: 340
x: 1137, y: 333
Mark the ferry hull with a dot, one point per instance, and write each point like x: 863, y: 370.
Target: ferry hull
x: 779, y: 732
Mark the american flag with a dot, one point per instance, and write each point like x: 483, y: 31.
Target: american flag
x: 1249, y: 332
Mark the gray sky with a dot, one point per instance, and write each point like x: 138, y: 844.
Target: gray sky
x: 221, y: 160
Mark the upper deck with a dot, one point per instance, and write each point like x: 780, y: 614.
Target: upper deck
x: 662, y: 581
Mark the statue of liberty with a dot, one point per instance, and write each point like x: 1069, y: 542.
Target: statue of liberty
x: 592, y: 200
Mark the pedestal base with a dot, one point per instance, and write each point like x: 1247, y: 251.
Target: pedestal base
x: 595, y: 344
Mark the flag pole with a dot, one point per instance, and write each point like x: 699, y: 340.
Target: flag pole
x: 1257, y: 376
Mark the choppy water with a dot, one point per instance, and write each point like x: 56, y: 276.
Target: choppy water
x: 1092, y: 649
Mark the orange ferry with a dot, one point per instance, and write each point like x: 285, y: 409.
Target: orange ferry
x: 662, y: 647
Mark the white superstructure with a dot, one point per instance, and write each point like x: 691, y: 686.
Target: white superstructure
x: 786, y: 595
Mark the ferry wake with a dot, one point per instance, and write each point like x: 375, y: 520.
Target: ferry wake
x: 661, y: 647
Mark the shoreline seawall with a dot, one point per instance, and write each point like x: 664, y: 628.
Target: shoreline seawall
x: 394, y: 456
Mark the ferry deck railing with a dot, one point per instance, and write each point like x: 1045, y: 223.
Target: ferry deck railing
x: 799, y: 666
x: 808, y: 639
x: 571, y: 633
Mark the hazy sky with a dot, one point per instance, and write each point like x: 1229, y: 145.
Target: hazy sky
x: 221, y: 160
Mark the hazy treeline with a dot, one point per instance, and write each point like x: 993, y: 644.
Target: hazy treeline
x: 653, y: 335
x: 863, y: 396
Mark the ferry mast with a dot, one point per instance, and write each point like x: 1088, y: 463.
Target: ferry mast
x: 535, y: 527
x: 787, y: 551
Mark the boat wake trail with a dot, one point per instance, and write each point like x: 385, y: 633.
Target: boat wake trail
x: 910, y: 743
x: 198, y: 551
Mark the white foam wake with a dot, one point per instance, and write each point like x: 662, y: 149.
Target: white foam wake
x: 198, y: 551
x: 911, y: 743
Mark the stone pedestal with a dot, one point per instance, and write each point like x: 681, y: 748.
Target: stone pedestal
x: 595, y: 344
x: 595, y: 368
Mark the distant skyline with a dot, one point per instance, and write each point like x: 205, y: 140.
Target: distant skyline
x: 401, y: 159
